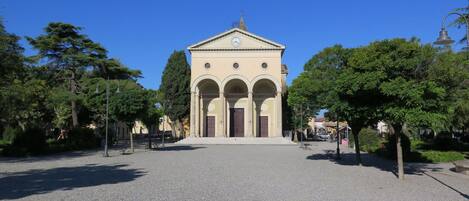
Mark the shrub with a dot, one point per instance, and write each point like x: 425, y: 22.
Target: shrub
x: 391, y: 149
x: 10, y: 133
x: 83, y: 138
x: 444, y: 141
x: 368, y: 139
x: 31, y: 141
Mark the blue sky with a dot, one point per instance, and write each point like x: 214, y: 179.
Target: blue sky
x: 142, y: 34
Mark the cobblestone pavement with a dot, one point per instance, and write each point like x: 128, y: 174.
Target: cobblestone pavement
x: 224, y: 172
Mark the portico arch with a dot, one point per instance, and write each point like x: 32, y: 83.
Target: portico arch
x: 205, y: 107
x: 264, y: 97
x: 238, y: 121
x: 204, y: 77
x: 278, y: 86
x: 236, y: 77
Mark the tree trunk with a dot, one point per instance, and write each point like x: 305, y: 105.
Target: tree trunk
x: 357, y: 148
x: 173, y: 129
x: 131, y: 125
x: 400, y: 161
x: 182, y: 133
x: 73, y: 89
x: 355, y: 132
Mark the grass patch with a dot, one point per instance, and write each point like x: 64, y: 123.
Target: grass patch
x: 426, y: 152
x: 442, y: 156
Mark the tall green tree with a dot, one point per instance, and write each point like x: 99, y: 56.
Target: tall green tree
x: 175, y: 88
x: 11, y: 57
x: 314, y: 89
x: 69, y: 54
x: 450, y: 70
x: 395, y: 73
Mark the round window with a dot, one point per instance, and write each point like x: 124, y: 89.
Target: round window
x: 235, y: 65
x: 264, y: 65
x: 207, y: 65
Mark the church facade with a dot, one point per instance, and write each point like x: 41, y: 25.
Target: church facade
x: 237, y: 82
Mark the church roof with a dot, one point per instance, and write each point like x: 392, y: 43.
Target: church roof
x: 273, y: 44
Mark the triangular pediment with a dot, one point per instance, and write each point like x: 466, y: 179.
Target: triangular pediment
x: 236, y: 39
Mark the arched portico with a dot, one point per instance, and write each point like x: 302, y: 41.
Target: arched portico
x: 237, y: 113
x: 267, y: 100
x: 205, y: 98
x: 236, y: 108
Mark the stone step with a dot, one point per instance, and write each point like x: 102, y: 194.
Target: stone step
x: 236, y: 140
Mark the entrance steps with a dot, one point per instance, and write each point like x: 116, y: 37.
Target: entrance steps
x: 236, y: 140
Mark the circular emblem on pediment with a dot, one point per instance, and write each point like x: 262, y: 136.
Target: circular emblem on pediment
x: 235, y: 42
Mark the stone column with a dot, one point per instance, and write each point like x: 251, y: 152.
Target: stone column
x: 278, y: 109
x: 192, y: 118
x: 197, y: 115
x: 222, y: 115
x: 202, y: 116
x: 249, y: 132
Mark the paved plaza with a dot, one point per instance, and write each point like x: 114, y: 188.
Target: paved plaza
x: 224, y: 172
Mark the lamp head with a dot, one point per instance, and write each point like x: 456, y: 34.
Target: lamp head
x: 443, y: 38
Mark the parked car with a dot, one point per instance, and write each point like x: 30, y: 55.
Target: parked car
x: 321, y: 137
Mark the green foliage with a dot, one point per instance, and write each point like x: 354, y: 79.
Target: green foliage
x: 54, y: 90
x: 32, y: 141
x: 24, y: 103
x: 10, y: 133
x: 315, y: 88
x: 128, y: 105
x: 426, y: 152
x: 434, y: 156
x: 391, y: 148
x: 175, y: 86
x: 11, y: 57
x: 369, y: 140
x: 152, y: 114
x: 82, y: 138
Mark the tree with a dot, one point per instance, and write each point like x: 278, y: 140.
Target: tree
x: 69, y: 54
x: 395, y: 74
x: 461, y: 21
x: 11, y: 57
x: 358, y: 97
x: 12, y: 71
x: 175, y: 88
x: 316, y: 87
x: 450, y: 70
x: 152, y: 115
x: 128, y: 105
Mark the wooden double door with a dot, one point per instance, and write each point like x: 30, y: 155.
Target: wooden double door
x: 263, y: 126
x: 236, y: 122
x: 209, y: 126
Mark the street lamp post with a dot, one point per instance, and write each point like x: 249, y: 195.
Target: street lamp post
x: 443, y: 38
x: 338, y: 136
x: 106, y: 153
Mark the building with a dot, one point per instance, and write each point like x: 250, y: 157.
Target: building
x: 237, y: 82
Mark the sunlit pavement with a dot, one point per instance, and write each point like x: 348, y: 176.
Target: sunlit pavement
x: 224, y: 172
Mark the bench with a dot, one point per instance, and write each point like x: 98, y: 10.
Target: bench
x: 462, y: 166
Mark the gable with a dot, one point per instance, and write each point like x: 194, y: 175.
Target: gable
x: 247, y: 41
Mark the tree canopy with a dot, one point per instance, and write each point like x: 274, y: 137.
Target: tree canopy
x: 175, y: 89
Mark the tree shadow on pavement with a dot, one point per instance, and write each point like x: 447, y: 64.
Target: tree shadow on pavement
x: 384, y: 165
x: 178, y: 148
x: 39, y: 181
x: 373, y: 161
x: 51, y: 157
